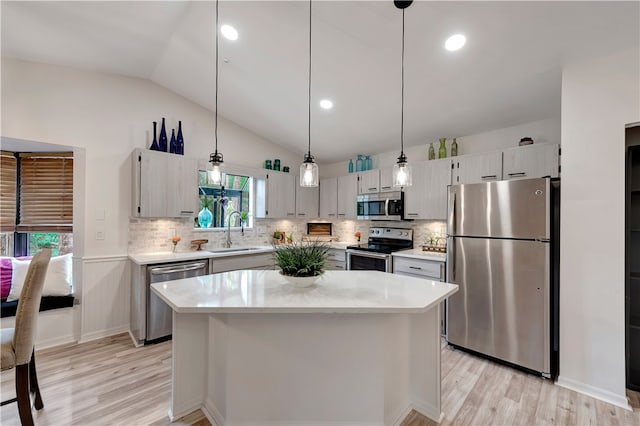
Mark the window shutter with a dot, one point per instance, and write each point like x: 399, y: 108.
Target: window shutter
x: 46, y: 192
x: 8, y: 165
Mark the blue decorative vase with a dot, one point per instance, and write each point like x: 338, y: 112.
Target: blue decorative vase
x: 154, y: 144
x: 173, y: 145
x: 180, y: 140
x: 204, y: 218
x: 368, y: 163
x: 162, y: 140
x: 350, y: 166
x: 359, y: 164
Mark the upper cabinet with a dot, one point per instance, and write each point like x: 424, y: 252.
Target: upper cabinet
x: 426, y: 198
x: 307, y: 200
x: 531, y: 161
x: 476, y: 168
x: 281, y: 195
x: 386, y: 180
x: 347, y: 196
x: 369, y: 182
x: 329, y: 198
x: 164, y: 185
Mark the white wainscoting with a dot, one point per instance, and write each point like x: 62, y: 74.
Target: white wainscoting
x: 55, y: 327
x: 106, y: 289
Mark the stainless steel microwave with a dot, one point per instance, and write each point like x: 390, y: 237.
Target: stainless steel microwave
x: 383, y: 206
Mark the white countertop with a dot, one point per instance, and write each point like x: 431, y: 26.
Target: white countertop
x: 162, y: 257
x: 418, y: 253
x: 251, y: 291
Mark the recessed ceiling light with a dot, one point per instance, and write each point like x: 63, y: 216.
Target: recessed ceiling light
x: 326, y: 104
x: 455, y: 42
x: 229, y: 32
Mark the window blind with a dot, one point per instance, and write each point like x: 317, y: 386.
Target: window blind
x: 8, y: 173
x: 46, y: 192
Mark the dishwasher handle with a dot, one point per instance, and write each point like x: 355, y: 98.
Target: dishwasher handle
x: 172, y: 269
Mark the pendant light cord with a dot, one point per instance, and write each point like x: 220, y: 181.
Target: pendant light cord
x: 309, y: 120
x: 216, y: 114
x: 402, y: 96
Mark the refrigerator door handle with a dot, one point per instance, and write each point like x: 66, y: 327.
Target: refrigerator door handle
x: 452, y: 213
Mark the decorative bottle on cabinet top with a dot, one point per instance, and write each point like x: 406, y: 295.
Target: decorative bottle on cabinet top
x: 432, y: 152
x: 154, y: 144
x: 162, y: 141
x: 368, y: 163
x: 350, y: 165
x: 359, y: 164
x: 173, y: 145
x: 442, y: 151
x: 180, y: 140
x: 454, y: 148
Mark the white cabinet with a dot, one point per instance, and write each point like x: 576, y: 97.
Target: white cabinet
x: 426, y: 198
x: 386, y: 180
x: 281, y: 195
x: 247, y: 261
x: 164, y: 185
x: 307, y: 199
x: 336, y: 260
x: 476, y: 168
x: 369, y: 182
x: 329, y: 198
x: 531, y: 161
x: 347, y: 196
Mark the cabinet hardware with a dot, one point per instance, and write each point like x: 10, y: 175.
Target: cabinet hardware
x: 342, y: 214
x: 517, y: 174
x: 386, y: 187
x: 291, y: 214
x: 138, y: 209
x: 372, y: 189
x: 301, y: 214
x: 331, y: 214
x: 415, y: 267
x: 488, y: 177
x: 412, y: 214
x: 186, y: 211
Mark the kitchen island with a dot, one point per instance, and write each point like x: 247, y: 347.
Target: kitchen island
x: 358, y: 347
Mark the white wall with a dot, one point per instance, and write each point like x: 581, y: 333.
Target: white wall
x: 598, y: 99
x: 542, y: 131
x: 106, y: 116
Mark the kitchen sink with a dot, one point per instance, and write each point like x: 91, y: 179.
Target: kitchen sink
x: 231, y: 250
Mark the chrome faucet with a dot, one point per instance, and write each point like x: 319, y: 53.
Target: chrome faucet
x: 228, y: 242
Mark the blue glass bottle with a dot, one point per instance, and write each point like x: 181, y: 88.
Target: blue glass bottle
x: 180, y: 140
x: 154, y: 144
x: 162, y: 141
x: 359, y: 164
x: 350, y: 165
x: 368, y: 163
x: 173, y: 145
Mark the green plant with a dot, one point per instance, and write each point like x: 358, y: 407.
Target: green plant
x: 302, y: 259
x: 277, y: 235
x: 206, y: 202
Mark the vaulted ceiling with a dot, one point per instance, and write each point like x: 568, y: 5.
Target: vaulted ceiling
x: 508, y: 73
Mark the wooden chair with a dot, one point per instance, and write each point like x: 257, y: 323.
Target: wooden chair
x: 18, y: 343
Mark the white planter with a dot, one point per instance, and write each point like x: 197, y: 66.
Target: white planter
x: 300, y: 281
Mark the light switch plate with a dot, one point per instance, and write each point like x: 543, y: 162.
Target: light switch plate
x: 99, y: 235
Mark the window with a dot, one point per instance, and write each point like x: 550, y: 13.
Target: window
x: 37, y: 203
x: 234, y: 195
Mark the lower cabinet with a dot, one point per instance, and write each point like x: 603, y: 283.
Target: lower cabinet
x: 336, y: 260
x: 245, y: 261
x: 427, y: 269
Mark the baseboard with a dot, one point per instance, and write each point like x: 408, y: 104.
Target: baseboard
x: 134, y: 340
x: 94, y: 335
x: 193, y: 407
x: 402, y: 415
x: 57, y: 341
x: 594, y: 392
x: 428, y: 410
x: 211, y: 413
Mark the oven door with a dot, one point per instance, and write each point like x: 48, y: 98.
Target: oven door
x: 368, y: 261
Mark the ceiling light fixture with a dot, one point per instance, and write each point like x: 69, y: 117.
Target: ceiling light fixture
x: 326, y: 104
x: 401, y: 170
x: 216, y: 158
x: 309, y: 169
x: 229, y: 32
x: 455, y: 42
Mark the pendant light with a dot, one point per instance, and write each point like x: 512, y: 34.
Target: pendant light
x: 216, y: 158
x: 309, y: 169
x: 401, y: 170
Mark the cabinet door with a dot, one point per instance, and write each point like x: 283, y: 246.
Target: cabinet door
x: 478, y: 168
x: 281, y: 195
x: 347, y: 196
x: 531, y: 161
x: 329, y: 198
x: 386, y: 180
x: 182, y: 197
x: 307, y: 200
x: 414, y: 199
x: 435, y: 196
x: 369, y: 182
x: 153, y: 183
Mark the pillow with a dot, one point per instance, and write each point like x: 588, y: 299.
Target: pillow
x: 57, y: 282
x: 6, y: 271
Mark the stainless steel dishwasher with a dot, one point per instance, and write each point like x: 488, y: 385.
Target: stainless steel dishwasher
x: 159, y: 314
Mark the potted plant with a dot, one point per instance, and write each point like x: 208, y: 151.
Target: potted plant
x: 302, y: 263
x: 205, y: 216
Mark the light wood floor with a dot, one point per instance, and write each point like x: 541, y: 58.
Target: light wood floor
x: 108, y: 381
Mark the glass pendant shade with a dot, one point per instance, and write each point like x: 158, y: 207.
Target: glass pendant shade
x: 309, y: 175
x: 215, y: 174
x: 401, y: 174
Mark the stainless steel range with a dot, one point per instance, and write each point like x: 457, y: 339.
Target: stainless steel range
x: 375, y: 254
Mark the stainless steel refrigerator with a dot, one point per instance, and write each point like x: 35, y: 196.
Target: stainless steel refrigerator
x: 503, y: 251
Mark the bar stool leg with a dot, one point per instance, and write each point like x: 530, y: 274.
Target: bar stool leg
x: 22, y: 394
x: 33, y: 382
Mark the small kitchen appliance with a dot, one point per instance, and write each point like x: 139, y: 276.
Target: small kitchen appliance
x: 375, y: 254
x: 382, y: 206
